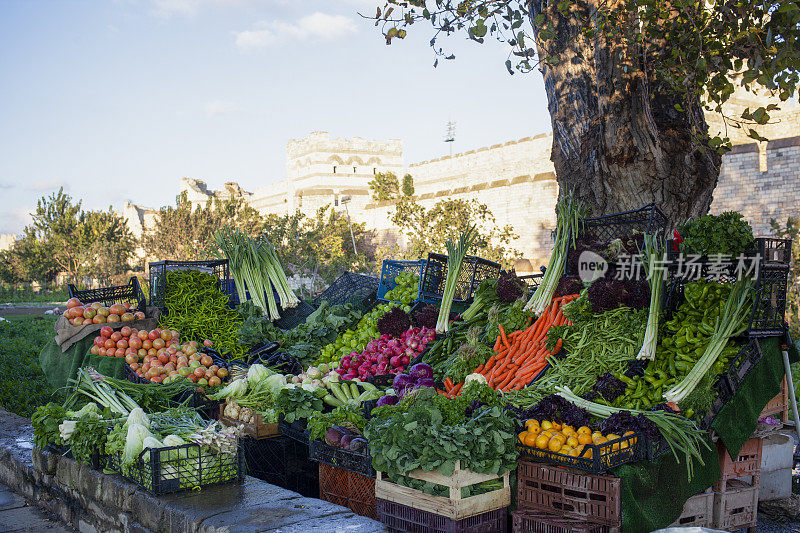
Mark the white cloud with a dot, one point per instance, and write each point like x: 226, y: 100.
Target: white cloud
x: 315, y: 27
x: 186, y: 8
x: 52, y: 185
x: 218, y: 107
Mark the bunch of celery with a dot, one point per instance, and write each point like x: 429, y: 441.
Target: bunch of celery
x: 653, y: 248
x: 455, y: 259
x: 570, y: 213
x: 255, y: 266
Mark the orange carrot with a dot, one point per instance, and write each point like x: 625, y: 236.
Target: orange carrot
x: 448, y: 384
x: 503, y: 334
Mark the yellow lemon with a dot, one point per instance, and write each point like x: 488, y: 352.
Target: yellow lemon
x: 522, y: 436
x: 547, y: 433
x: 572, y: 441
x: 588, y: 453
x: 530, y: 440
x: 531, y: 422
x: 584, y: 429
x: 584, y: 438
x: 546, y: 424
x: 554, y: 444
x: 568, y: 429
x: 541, y: 442
x: 600, y: 440
x: 574, y: 452
x: 596, y: 434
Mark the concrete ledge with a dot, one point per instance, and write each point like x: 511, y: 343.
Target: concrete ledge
x: 92, y: 501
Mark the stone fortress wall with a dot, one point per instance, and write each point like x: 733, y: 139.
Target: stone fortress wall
x: 515, y: 180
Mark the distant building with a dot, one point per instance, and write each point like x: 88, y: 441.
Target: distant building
x: 515, y: 179
x: 7, y: 241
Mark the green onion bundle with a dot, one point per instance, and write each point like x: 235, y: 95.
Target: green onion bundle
x: 733, y: 321
x: 653, y: 248
x: 680, y: 433
x: 455, y: 259
x: 255, y: 266
x: 570, y: 213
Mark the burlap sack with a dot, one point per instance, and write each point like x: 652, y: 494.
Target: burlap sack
x: 67, y: 334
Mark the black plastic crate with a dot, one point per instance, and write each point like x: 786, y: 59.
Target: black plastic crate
x: 294, y: 316
x: 366, y: 408
x: 349, y: 288
x: 296, y: 430
x: 769, y: 309
x: 108, y: 296
x: 604, y: 456
x: 403, y: 518
x: 391, y: 269
x: 473, y: 271
x: 532, y: 281
x: 282, y: 461
x: 96, y: 460
x: 358, y: 462
x: 647, y: 219
x: 774, y: 252
x: 179, y: 468
x: 738, y: 368
x: 158, y: 279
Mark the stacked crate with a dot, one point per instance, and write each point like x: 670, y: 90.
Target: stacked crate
x: 589, y: 502
x: 736, y: 492
x: 403, y: 509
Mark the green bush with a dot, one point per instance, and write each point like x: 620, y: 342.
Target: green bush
x: 22, y: 383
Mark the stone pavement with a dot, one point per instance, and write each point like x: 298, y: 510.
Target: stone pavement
x: 17, y: 515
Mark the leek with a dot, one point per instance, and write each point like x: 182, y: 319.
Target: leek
x: 653, y: 248
x: 455, y: 259
x: 570, y: 214
x: 680, y: 433
x: 733, y: 321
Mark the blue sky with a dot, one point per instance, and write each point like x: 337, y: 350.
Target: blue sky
x: 116, y: 100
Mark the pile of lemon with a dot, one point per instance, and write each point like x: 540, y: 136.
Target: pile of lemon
x: 565, y: 439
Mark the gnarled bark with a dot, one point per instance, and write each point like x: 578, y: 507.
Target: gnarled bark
x: 618, y: 140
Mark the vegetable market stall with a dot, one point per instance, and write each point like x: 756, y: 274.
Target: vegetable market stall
x: 627, y: 389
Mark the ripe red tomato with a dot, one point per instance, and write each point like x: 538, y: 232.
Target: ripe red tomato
x: 116, y: 336
x: 153, y: 335
x: 106, y: 331
x: 73, y: 302
x: 126, y: 331
x: 122, y: 343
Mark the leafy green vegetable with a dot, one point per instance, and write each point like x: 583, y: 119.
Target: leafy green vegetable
x: 348, y: 416
x: 727, y: 233
x: 89, y: 438
x: 297, y: 403
x: 45, y: 421
x: 428, y: 431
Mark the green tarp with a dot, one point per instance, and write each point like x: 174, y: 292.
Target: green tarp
x: 60, y: 367
x: 653, y: 493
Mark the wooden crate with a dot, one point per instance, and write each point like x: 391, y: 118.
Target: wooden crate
x: 453, y: 507
x: 698, y: 511
x: 779, y: 405
x: 570, y: 493
x: 258, y: 430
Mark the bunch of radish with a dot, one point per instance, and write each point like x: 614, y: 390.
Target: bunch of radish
x: 386, y: 355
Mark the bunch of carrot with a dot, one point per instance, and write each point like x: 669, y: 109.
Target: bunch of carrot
x: 522, y: 355
x: 451, y: 390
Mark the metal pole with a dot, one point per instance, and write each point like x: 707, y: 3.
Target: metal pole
x: 790, y: 385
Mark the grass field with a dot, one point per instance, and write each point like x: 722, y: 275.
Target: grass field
x: 22, y: 383
x: 11, y: 295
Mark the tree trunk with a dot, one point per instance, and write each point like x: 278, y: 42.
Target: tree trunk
x: 618, y: 140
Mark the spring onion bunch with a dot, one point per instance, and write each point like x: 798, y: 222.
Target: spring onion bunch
x: 255, y: 266
x: 680, y: 433
x: 91, y: 384
x: 570, y: 213
x: 653, y: 249
x: 733, y: 321
x: 455, y: 259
